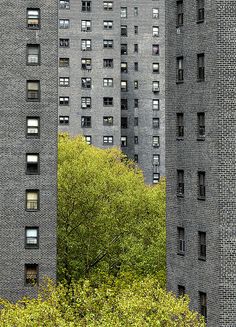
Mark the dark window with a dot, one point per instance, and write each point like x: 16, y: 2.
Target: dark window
x: 201, y: 185
x: 32, y: 200
x: 203, y: 304
x: 86, y: 103
x: 155, y: 49
x: 124, y: 104
x: 86, y: 6
x: 135, y: 29
x: 201, y: 67
x: 86, y: 82
x: 64, y: 43
x: 108, y: 63
x: 136, y: 47
x: 64, y: 120
x: 32, y: 163
x: 201, y: 125
x: 107, y: 120
x: 32, y: 127
x: 180, y: 182
x: 123, y: 141
x: 200, y: 11
x: 180, y: 125
x: 135, y: 139
x: 181, y: 240
x: 124, y: 122
x: 181, y: 290
x: 31, y: 274
x: 180, y: 14
x: 108, y: 44
x: 33, y: 90
x: 33, y: 54
x: 123, y: 30
x: 33, y: 18
x: 86, y: 121
x: 136, y: 157
x: 107, y: 101
x: 179, y: 69
x: 64, y: 4
x: 32, y: 237
x: 135, y: 121
x: 136, y: 66
x: 64, y: 62
x: 124, y: 49
x: 202, y: 245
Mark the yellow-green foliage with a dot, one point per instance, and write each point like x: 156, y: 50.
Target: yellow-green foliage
x: 111, y: 303
x: 108, y: 219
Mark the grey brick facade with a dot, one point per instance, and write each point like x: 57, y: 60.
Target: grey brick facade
x: 15, y: 145
x: 213, y: 154
x: 139, y: 17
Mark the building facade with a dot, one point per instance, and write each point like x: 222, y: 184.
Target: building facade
x: 200, y: 155
x: 28, y: 140
x: 111, y: 77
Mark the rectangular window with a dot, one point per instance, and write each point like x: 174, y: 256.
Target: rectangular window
x: 86, y: 83
x: 123, y: 12
x: 107, y: 24
x: 155, y: 123
x: 108, y: 63
x: 135, y: 29
x: 86, y: 103
x: 86, y: 6
x: 180, y: 183
x: 123, y: 141
x: 33, y: 54
x: 33, y: 19
x: 201, y: 67
x: 200, y: 11
x: 155, y: 31
x: 155, y: 86
x: 124, y: 122
x: 124, y: 30
x: 181, y: 290
x: 64, y: 120
x: 32, y: 127
x: 135, y: 85
x: 155, y: 141
x: 181, y: 241
x: 136, y: 48
x: 64, y: 101
x: 32, y: 163
x: 155, y: 13
x: 88, y: 139
x: 201, y: 125
x: 156, y: 178
x: 108, y: 82
x: 124, y: 86
x: 124, y: 49
x: 136, y: 103
x: 31, y: 274
x: 135, y: 157
x: 32, y: 200
x: 155, y: 50
x: 86, y: 64
x: 203, y: 304
x: 135, y: 121
x: 33, y: 90
x: 107, y: 120
x: 136, y: 66
x: 135, y: 139
x: 202, y: 245
x: 155, y: 104
x: 64, y: 43
x: 156, y: 160
x: 86, y: 121
x: 107, y: 101
x: 180, y: 125
x: 107, y: 140
x: 108, y: 44
x: 32, y: 237
x: 86, y: 26
x: 107, y: 5
x: 86, y: 45
x: 201, y: 185
x: 64, y: 4
x: 180, y: 14
x: 179, y: 69
x: 64, y: 81
x: 135, y: 11
x: 124, y: 104
x: 64, y: 62
x: 64, y: 23
x: 124, y: 67
x: 155, y: 68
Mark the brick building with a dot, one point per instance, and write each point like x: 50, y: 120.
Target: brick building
x: 111, y: 77
x: 28, y: 140
x: 200, y: 155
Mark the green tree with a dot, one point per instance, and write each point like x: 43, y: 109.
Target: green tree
x: 108, y: 219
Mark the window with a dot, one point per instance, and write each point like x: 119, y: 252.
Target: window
x: 86, y: 26
x: 135, y: 11
x: 155, y: 68
x: 32, y: 200
x: 135, y: 85
x: 88, y: 139
x: 64, y: 101
x: 33, y: 90
x: 64, y: 23
x: 135, y: 29
x: 124, y: 67
x: 135, y: 121
x: 202, y: 245
x: 155, y: 31
x: 156, y: 141
x: 123, y: 12
x: 181, y: 241
x: 200, y: 11
x: 124, y: 122
x: 136, y: 47
x: 86, y: 6
x: 33, y: 54
x: 64, y: 43
x: 32, y: 237
x: 86, y: 64
x: 181, y: 290
x: 136, y: 66
x: 107, y: 5
x: 123, y: 30
x: 155, y: 104
x: 64, y: 120
x: 155, y: 86
x: 136, y: 158
x: 31, y: 274
x: 180, y: 183
x: 107, y: 101
x: 86, y: 45
x: 107, y: 24
x: 108, y: 63
x: 32, y: 127
x: 86, y: 82
x: 179, y: 69
x: 135, y: 139
x: 108, y: 44
x: 32, y: 163
x: 156, y: 178
x: 107, y: 140
x: 86, y: 121
x: 124, y: 86
x: 107, y: 120
x: 124, y: 104
x: 64, y: 62
x: 201, y: 125
x: 124, y: 49
x: 201, y: 67
x: 155, y: 123
x: 123, y: 141
x: 201, y: 185
x: 156, y: 160
x: 33, y: 19
x: 86, y: 103
x: 203, y: 304
x: 64, y: 81
x: 155, y: 49
x: 64, y: 4
x: 180, y: 14
x: 180, y: 125
x: 136, y: 103
x: 107, y: 82
x: 155, y: 13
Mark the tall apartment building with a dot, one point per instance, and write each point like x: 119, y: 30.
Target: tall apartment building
x: 28, y: 141
x: 111, y: 77
x: 200, y: 155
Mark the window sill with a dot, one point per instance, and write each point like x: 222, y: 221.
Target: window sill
x: 201, y: 259
x: 181, y: 254
x: 179, y: 82
x: 201, y: 138
x: 201, y: 198
x: 31, y: 247
x: 200, y: 21
x: 179, y: 138
x: 180, y: 195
